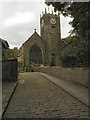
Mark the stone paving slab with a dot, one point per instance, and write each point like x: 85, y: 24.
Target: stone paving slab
x: 37, y: 97
x: 7, y: 90
x: 75, y: 90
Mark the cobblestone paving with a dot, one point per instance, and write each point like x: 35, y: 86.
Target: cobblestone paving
x: 7, y: 88
x: 36, y: 97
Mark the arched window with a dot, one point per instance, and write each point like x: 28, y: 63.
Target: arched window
x: 35, y: 55
x: 53, y: 29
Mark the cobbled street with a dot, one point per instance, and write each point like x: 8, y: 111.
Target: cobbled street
x: 36, y: 97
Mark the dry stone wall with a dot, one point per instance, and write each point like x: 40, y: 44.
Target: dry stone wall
x: 76, y: 75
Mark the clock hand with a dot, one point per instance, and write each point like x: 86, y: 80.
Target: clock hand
x: 53, y: 21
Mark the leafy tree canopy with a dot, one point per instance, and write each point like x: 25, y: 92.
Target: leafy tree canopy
x: 78, y: 11
x: 75, y: 48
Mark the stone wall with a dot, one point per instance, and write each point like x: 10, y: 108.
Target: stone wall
x: 76, y: 75
x: 9, y: 70
x: 8, y: 54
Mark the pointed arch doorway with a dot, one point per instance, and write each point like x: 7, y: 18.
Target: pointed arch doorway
x: 35, y: 55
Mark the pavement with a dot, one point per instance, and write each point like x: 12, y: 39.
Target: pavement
x: 77, y: 91
x: 36, y: 96
x: 7, y: 90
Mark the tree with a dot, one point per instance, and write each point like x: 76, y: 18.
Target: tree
x: 78, y: 47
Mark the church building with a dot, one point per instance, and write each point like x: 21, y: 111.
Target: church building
x: 45, y: 48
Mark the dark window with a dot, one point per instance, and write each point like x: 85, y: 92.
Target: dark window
x: 53, y: 29
x: 35, y: 55
x: 53, y: 26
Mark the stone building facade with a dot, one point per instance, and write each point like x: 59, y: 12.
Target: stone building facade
x: 8, y: 62
x: 44, y: 49
x: 6, y: 52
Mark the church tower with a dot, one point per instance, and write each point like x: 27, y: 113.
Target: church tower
x: 50, y: 32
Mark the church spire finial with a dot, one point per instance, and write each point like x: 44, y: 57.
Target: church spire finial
x: 45, y: 11
x: 34, y: 30
x: 52, y: 11
x: 42, y: 13
x: 58, y: 13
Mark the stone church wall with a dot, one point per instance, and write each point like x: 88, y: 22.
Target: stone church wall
x: 76, y: 75
x: 9, y: 70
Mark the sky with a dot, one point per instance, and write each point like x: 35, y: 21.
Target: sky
x: 18, y: 19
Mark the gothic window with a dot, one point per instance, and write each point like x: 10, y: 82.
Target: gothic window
x: 35, y: 55
x: 53, y: 29
x: 53, y: 26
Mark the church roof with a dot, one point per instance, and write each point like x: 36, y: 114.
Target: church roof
x: 35, y: 35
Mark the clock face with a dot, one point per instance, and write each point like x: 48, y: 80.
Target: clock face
x: 53, y: 21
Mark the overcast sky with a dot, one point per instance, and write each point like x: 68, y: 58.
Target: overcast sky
x: 19, y: 19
